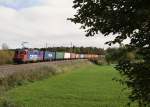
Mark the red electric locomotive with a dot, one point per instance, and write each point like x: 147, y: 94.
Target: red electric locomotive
x: 20, y: 56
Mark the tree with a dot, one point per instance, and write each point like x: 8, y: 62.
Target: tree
x: 122, y: 18
x: 5, y: 46
x: 114, y: 55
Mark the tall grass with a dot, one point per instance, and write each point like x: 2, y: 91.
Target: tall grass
x: 6, y: 57
x: 19, y: 78
x: 39, y: 72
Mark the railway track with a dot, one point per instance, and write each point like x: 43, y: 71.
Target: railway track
x: 10, y: 69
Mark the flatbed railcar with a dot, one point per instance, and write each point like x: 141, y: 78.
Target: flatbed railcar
x: 32, y: 55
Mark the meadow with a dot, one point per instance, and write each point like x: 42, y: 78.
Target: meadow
x: 87, y: 85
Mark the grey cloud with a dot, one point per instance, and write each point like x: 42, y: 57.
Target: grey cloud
x: 44, y: 24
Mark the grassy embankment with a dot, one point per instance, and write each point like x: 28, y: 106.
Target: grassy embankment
x: 6, y: 57
x: 18, y: 75
x: 85, y: 86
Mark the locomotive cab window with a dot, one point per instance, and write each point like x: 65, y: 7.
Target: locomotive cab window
x: 23, y: 52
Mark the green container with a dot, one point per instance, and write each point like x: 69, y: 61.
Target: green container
x: 59, y: 55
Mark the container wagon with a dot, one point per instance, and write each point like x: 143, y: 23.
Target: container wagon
x: 66, y: 56
x: 32, y: 55
x: 49, y: 56
x: 59, y: 55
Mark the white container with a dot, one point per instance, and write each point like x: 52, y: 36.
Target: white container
x: 67, y: 56
x: 82, y: 56
x: 77, y: 56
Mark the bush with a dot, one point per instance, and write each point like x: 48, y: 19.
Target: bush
x: 99, y: 61
x: 6, y: 57
x: 19, y: 78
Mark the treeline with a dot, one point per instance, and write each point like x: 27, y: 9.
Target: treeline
x: 84, y: 50
x: 115, y: 55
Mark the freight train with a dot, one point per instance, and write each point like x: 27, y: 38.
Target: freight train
x: 32, y: 55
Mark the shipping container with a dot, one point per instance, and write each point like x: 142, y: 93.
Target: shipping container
x: 33, y: 55
x: 86, y: 56
x: 82, y: 56
x: 77, y: 56
x: 72, y: 55
x: 59, y: 55
x: 92, y: 56
x: 89, y: 56
x: 97, y: 56
x: 66, y: 55
x: 48, y: 56
x: 40, y: 56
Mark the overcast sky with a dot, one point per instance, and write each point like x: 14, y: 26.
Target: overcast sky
x: 42, y: 21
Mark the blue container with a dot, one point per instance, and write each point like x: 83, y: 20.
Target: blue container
x: 33, y: 55
x: 49, y: 55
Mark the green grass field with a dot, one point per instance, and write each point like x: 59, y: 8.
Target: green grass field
x: 87, y: 86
